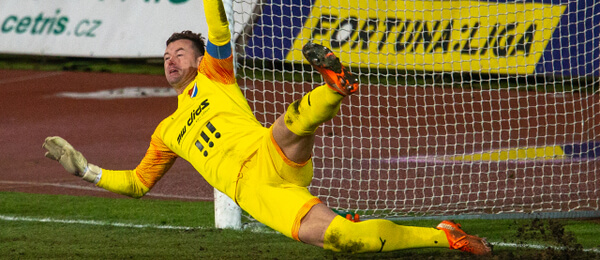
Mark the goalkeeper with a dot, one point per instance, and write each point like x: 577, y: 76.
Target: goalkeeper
x: 266, y: 171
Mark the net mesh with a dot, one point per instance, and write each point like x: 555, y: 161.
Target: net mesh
x: 465, y: 107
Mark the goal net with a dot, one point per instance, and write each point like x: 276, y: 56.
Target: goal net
x: 464, y: 107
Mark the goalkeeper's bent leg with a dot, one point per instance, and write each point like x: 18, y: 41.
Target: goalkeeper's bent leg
x: 304, y: 116
x: 379, y: 235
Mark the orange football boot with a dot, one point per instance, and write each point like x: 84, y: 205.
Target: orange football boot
x: 458, y: 239
x: 335, y: 75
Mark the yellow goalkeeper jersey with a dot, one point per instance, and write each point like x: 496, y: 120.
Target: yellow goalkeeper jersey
x: 213, y: 128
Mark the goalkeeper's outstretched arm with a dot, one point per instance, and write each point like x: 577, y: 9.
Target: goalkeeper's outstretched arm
x: 133, y: 183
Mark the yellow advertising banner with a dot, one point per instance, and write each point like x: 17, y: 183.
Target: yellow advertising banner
x: 454, y: 36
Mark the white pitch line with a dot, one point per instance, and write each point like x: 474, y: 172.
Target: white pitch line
x: 254, y: 230
x: 79, y: 187
x: 94, y: 222
x: 30, y: 77
x: 534, y: 246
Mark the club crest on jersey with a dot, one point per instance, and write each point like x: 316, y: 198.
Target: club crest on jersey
x: 194, y: 91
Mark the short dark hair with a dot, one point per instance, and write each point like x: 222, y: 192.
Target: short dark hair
x: 196, y: 38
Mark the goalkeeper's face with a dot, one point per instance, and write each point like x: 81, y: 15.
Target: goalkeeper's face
x: 181, y: 63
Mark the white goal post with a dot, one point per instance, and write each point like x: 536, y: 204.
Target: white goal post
x: 465, y: 107
x: 228, y: 215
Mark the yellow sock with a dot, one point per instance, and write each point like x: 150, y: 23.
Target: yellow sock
x: 304, y: 116
x: 379, y: 235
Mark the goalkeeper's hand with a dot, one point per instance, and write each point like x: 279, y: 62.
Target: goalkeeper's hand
x: 73, y: 161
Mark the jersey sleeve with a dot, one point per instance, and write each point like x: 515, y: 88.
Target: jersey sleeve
x: 135, y: 183
x: 217, y: 63
x: 218, y: 28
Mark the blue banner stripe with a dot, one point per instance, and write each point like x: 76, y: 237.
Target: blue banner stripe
x: 582, y: 150
x: 279, y: 24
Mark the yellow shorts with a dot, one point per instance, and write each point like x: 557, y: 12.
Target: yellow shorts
x: 273, y: 189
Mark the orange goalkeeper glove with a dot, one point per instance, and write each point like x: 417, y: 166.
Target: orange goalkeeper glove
x: 71, y: 159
